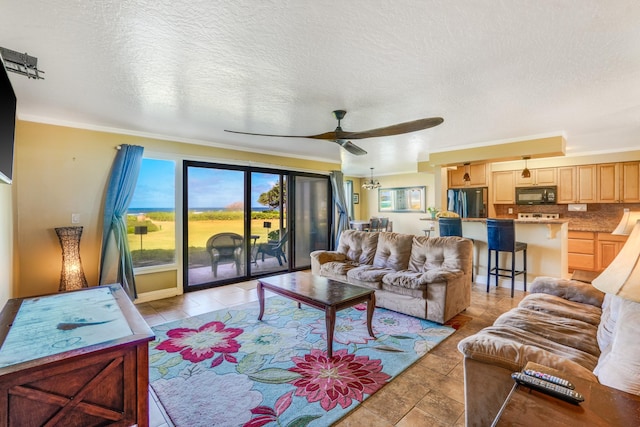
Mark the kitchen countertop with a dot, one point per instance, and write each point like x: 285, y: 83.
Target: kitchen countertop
x: 523, y: 221
x: 574, y: 225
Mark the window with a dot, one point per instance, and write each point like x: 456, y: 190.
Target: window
x: 151, y: 217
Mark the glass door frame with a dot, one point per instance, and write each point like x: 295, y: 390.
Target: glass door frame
x: 289, y: 223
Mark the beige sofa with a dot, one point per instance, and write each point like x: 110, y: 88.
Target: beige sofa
x: 416, y: 275
x: 564, y: 324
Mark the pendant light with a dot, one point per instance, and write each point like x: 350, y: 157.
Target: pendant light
x: 371, y: 184
x: 525, y: 172
x: 466, y: 177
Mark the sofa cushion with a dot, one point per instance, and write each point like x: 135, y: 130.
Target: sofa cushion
x: 417, y: 280
x: 449, y: 253
x: 358, y: 246
x: 393, y: 251
x: 560, y: 307
x: 619, y: 364
x: 567, y: 332
x: 572, y: 290
x: 511, y: 348
x: 368, y: 273
x: 418, y: 292
x: 337, y: 268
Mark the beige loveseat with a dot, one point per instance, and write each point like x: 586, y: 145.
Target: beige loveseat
x: 563, y: 324
x: 416, y: 275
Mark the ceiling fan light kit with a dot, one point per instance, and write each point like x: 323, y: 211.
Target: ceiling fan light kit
x: 342, y: 137
x: 371, y: 184
x: 526, y: 173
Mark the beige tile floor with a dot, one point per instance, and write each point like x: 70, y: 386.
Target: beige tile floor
x: 429, y: 393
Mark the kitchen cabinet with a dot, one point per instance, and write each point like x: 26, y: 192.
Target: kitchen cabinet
x: 582, y: 250
x: 593, y: 251
x: 608, y: 247
x: 619, y: 182
x: 630, y: 182
x: 543, y: 176
x: 503, y: 188
x: 567, y: 188
x: 577, y: 184
x: 609, y: 183
x: 477, y: 174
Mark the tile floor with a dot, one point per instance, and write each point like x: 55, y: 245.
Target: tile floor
x: 429, y: 393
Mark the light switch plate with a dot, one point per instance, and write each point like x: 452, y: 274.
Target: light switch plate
x: 75, y: 218
x: 577, y: 207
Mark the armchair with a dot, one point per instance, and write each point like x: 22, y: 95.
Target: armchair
x: 225, y: 247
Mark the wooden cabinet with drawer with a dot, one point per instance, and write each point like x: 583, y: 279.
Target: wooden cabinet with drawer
x: 582, y: 250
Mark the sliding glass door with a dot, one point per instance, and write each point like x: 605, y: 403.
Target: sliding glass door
x: 312, y: 217
x: 240, y: 222
x: 269, y: 231
x: 214, y: 233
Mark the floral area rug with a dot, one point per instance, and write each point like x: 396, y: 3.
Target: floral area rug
x: 226, y: 368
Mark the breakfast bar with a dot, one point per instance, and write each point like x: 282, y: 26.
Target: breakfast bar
x: 547, y: 241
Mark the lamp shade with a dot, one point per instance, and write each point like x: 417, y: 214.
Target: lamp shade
x: 72, y: 276
x: 627, y: 222
x: 622, y: 276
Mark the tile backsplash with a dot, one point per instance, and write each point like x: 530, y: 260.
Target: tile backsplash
x: 603, y: 217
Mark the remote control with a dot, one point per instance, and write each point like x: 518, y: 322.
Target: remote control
x: 546, y: 387
x: 550, y: 378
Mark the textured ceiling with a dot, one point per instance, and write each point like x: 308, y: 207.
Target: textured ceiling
x: 186, y: 70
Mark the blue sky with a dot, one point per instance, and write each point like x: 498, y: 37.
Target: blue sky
x: 208, y: 188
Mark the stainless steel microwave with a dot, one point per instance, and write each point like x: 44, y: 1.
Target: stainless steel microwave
x: 536, y: 195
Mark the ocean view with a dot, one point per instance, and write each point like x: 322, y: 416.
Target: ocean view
x: 136, y: 211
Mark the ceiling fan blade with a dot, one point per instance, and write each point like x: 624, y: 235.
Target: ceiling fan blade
x: 398, y: 129
x: 279, y: 136
x: 351, y: 147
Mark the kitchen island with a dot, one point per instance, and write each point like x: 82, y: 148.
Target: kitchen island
x: 547, y: 249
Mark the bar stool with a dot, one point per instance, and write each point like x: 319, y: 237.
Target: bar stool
x: 452, y: 226
x: 501, y: 237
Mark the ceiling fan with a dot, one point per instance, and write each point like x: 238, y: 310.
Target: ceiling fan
x: 341, y: 137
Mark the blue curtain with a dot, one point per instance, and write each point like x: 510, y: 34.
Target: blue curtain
x: 115, y: 258
x: 341, y: 206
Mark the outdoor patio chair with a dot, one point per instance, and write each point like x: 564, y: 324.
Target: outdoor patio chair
x: 275, y: 249
x: 225, y: 247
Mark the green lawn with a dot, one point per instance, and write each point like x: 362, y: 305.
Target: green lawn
x: 199, y: 232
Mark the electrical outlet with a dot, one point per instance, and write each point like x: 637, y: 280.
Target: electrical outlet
x: 75, y: 218
x: 510, y: 210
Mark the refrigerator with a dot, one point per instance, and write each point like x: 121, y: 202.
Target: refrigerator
x: 471, y: 202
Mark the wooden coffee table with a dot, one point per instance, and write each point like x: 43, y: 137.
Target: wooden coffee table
x: 602, y: 407
x: 319, y: 292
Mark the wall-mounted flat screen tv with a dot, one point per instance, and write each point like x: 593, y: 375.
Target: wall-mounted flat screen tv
x: 7, y: 125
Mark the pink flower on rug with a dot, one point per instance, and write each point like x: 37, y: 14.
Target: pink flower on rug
x: 390, y: 322
x: 196, y: 345
x: 338, y: 380
x: 266, y: 415
x: 346, y: 330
